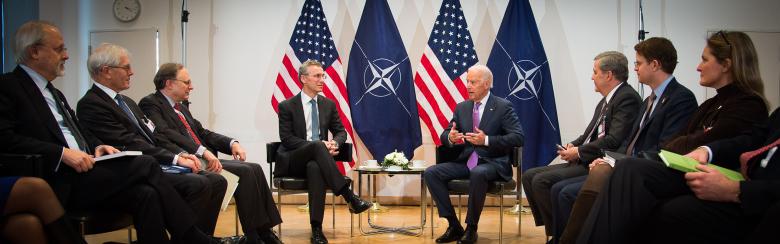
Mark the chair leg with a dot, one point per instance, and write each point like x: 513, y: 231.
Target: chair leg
x: 433, y: 205
x: 501, y: 218
x: 279, y: 207
x: 130, y: 234
x: 460, y: 209
x: 333, y: 210
x: 82, y: 229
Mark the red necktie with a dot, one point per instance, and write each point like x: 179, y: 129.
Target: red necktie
x: 186, y: 125
x: 746, y: 156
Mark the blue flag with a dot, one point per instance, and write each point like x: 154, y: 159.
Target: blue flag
x: 522, y: 76
x: 379, y: 83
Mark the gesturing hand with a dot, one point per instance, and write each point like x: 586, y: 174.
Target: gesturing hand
x: 476, y: 138
x: 455, y: 136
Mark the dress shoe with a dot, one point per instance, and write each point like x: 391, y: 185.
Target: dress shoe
x: 270, y: 238
x: 453, y: 233
x: 317, y: 237
x: 469, y: 237
x: 358, y: 205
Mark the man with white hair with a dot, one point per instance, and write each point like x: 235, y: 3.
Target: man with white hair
x: 485, y: 128
x: 35, y: 118
x: 117, y: 120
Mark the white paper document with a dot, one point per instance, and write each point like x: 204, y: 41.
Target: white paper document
x: 119, y: 154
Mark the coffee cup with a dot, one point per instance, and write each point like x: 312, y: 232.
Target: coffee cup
x: 371, y: 163
x: 418, y: 163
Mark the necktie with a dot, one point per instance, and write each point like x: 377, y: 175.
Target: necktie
x: 745, y: 157
x: 69, y: 121
x: 130, y: 115
x: 645, y: 115
x: 599, y: 123
x: 186, y: 124
x: 474, y: 158
x: 315, y: 121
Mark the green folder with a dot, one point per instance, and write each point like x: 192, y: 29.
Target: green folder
x: 686, y: 164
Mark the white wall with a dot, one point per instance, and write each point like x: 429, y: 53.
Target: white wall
x: 235, y: 48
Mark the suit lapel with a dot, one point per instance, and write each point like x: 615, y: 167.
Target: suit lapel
x: 298, y: 117
x: 660, y: 105
x: 487, y: 113
x: 170, y: 112
x: 39, y: 103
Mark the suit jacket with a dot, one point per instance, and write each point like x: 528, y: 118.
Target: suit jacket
x: 500, y: 124
x: 27, y: 126
x: 620, y: 114
x: 108, y: 121
x: 157, y: 108
x: 730, y: 113
x: 671, y: 114
x: 292, y: 127
x: 763, y: 188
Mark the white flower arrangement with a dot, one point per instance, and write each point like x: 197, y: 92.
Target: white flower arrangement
x: 396, y: 159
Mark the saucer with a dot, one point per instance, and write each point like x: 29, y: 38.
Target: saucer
x: 418, y: 168
x: 369, y: 167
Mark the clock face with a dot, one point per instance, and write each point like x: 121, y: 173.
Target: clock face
x: 126, y: 10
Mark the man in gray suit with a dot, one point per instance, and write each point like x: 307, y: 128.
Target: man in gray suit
x: 610, y: 125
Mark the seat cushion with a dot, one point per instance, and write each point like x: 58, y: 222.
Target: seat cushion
x: 296, y: 183
x: 461, y: 186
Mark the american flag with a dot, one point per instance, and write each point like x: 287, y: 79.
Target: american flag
x: 311, y: 39
x: 440, y: 81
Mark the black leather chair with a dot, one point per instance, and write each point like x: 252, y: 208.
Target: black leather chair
x: 287, y: 185
x: 497, y: 188
x: 87, y: 222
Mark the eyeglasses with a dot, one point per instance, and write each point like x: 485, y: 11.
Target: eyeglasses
x: 323, y: 76
x: 186, y: 82
x: 127, y: 68
x: 723, y: 35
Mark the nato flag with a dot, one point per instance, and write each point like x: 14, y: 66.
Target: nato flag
x: 522, y: 76
x: 380, y: 87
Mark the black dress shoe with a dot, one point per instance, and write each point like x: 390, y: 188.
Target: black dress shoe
x: 317, y: 237
x: 470, y: 236
x: 270, y: 238
x: 453, y: 233
x: 358, y: 205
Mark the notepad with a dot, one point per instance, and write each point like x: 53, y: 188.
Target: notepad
x: 686, y: 164
x: 119, y: 154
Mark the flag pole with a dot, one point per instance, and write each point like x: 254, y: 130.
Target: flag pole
x: 641, y: 37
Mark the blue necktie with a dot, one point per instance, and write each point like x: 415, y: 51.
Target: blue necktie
x: 315, y: 121
x: 130, y: 115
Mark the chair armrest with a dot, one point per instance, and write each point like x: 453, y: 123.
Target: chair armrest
x: 270, y: 151
x: 516, y: 156
x: 345, y: 153
x: 21, y: 165
x: 447, y: 154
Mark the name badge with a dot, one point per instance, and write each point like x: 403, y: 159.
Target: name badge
x: 149, y: 124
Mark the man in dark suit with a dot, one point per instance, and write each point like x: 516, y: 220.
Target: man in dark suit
x: 486, y: 128
x: 665, y: 112
x: 304, y: 123
x: 117, y: 120
x: 167, y: 109
x: 610, y: 125
x: 35, y: 118
x: 647, y: 201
